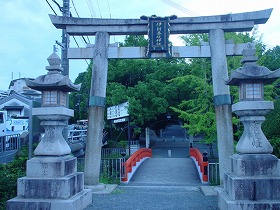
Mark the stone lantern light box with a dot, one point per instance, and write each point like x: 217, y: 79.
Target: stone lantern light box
x: 251, y: 107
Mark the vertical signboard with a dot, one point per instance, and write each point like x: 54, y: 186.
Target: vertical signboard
x: 158, y: 34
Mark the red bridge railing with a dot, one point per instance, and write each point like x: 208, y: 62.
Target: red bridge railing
x: 201, y: 164
x: 134, y: 161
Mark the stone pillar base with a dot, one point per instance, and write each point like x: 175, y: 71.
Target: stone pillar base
x: 52, y: 183
x: 254, y: 183
x: 225, y: 202
x: 78, y: 202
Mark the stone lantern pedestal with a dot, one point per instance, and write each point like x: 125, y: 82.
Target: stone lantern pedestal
x: 254, y: 183
x: 254, y: 180
x: 52, y: 181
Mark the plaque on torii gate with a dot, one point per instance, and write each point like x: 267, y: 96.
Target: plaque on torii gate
x: 158, y: 34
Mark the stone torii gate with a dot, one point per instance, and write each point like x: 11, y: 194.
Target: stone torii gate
x: 217, y: 49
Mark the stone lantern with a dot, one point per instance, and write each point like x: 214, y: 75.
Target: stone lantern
x: 255, y: 173
x: 52, y: 181
x: 53, y: 113
x: 252, y: 107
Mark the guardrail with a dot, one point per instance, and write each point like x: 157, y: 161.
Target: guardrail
x: 134, y: 161
x: 9, y: 145
x: 75, y: 136
x: 112, y: 169
x: 213, y: 174
x: 201, y: 164
x: 112, y: 152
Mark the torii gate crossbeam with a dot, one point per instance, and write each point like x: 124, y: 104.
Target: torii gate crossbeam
x: 188, y: 25
x: 140, y: 52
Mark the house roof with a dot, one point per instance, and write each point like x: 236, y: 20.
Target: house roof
x: 17, y: 96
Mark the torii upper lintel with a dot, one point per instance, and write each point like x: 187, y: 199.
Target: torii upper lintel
x: 237, y: 22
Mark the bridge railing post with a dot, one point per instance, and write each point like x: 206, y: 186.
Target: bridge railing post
x: 205, y: 167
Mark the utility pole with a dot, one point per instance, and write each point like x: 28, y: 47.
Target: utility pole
x: 65, y: 40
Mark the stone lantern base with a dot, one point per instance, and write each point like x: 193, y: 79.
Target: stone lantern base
x: 254, y: 183
x: 51, y: 183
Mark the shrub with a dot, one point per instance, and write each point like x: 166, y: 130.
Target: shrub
x: 275, y: 142
x: 9, y: 174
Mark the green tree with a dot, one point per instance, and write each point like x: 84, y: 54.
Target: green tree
x: 271, y: 128
x: 197, y: 110
x: 79, y: 100
x: 271, y: 58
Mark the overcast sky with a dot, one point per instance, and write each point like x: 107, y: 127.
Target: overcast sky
x: 27, y: 35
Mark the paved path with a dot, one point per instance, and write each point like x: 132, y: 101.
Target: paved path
x: 159, y: 184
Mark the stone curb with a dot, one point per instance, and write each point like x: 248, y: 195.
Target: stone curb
x: 209, y: 190
x: 109, y: 188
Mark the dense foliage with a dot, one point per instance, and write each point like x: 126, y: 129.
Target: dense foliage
x: 9, y: 173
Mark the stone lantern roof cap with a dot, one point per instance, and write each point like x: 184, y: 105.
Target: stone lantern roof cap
x: 54, y: 63
x: 250, y: 71
x: 54, y: 79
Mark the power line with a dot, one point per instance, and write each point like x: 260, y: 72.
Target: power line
x: 110, y: 15
x: 75, y: 8
x: 179, y: 7
x: 99, y: 9
x: 76, y: 41
x: 51, y: 7
x: 60, y: 8
x: 91, y: 9
x: 78, y: 46
x: 79, y: 16
x: 109, y: 8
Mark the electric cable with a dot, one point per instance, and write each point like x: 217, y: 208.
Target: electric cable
x: 99, y: 8
x: 109, y: 8
x: 91, y: 9
x: 179, y: 7
x: 60, y: 8
x: 72, y: 1
x: 75, y: 8
x: 51, y: 7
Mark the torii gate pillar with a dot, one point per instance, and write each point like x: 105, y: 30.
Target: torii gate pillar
x: 222, y: 100
x: 96, y: 110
